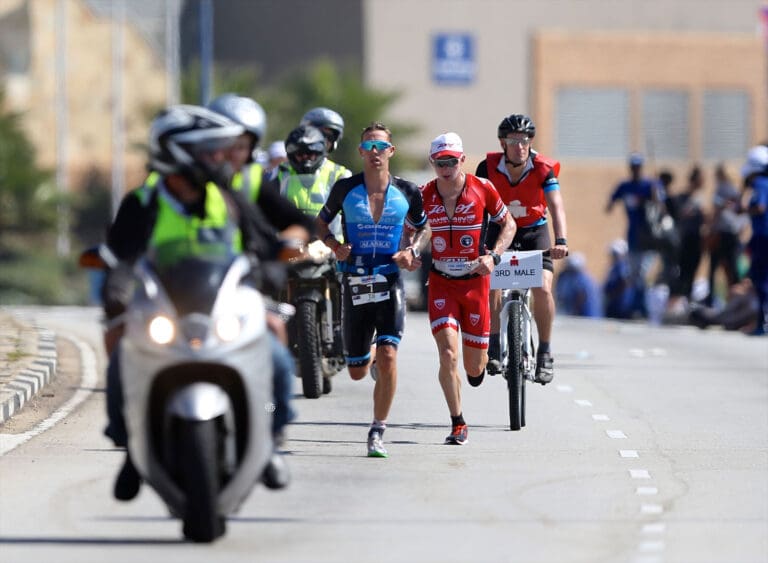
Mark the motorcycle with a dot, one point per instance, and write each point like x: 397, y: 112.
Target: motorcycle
x: 314, y: 332
x: 196, y: 374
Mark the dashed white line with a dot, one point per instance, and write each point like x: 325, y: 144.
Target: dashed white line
x: 639, y: 474
x: 628, y: 453
x: 565, y: 388
x: 654, y: 528
x: 600, y: 417
x: 653, y: 545
x: 616, y: 434
x: 583, y: 403
x: 651, y: 509
x: 647, y: 491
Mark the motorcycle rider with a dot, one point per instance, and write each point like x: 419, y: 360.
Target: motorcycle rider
x: 330, y: 123
x: 187, y: 154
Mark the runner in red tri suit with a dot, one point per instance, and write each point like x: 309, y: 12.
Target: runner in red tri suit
x: 457, y: 206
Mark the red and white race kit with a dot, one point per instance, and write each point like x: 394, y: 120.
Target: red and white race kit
x: 458, y: 298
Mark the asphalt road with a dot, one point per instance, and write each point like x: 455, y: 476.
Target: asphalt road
x: 651, y: 445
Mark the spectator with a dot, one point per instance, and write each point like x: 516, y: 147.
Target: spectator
x: 576, y: 291
x: 687, y: 212
x: 724, y: 229
x: 619, y: 295
x: 739, y: 312
x: 635, y: 192
x: 755, y: 174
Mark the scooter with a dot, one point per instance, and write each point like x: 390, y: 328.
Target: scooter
x: 315, y: 333
x: 196, y: 374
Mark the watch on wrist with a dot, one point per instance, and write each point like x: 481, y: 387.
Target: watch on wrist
x: 415, y: 252
x: 495, y: 256
x: 561, y: 241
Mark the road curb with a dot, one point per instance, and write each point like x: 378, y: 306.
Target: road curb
x: 32, y: 375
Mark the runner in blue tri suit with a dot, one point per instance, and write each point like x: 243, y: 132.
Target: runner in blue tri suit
x: 378, y: 211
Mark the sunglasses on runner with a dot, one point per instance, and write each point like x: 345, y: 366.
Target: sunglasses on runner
x: 378, y: 145
x: 446, y: 162
x: 524, y: 142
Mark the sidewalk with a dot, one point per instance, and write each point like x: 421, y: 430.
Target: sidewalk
x: 28, y: 360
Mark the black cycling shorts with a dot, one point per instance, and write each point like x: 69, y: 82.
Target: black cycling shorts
x: 384, y: 318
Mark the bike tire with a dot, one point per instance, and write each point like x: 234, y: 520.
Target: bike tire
x: 309, y: 350
x: 198, y: 455
x: 515, y: 376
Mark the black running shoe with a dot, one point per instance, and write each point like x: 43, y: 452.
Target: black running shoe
x: 276, y: 474
x: 476, y: 380
x: 128, y: 481
x: 545, y: 368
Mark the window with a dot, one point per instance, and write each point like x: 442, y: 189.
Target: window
x: 664, y: 124
x: 592, y: 123
x: 725, y: 127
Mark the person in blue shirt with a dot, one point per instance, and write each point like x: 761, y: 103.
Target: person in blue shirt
x: 755, y: 174
x: 635, y: 192
x: 619, y: 295
x: 576, y: 291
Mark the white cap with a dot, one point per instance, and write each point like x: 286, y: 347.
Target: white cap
x: 757, y: 161
x: 447, y: 144
x: 277, y: 150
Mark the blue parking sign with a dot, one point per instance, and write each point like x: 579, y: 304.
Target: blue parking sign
x: 453, y: 58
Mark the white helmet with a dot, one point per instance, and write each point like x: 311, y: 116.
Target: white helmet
x: 329, y: 122
x: 181, y: 135
x: 244, y: 111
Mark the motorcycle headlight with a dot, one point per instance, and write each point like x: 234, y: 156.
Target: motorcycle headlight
x: 228, y: 328
x: 161, y: 330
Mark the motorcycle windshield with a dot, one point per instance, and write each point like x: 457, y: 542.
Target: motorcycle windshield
x: 192, y: 282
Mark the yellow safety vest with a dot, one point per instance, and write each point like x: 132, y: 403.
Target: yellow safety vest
x: 177, y: 235
x: 310, y: 199
x: 250, y: 179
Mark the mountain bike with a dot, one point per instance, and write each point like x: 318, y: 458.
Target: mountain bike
x: 516, y: 274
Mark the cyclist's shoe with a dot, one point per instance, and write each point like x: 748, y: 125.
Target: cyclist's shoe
x: 128, y: 481
x: 373, y: 370
x: 476, y: 380
x: 458, y: 436
x: 376, y: 443
x: 545, y: 368
x: 493, y: 366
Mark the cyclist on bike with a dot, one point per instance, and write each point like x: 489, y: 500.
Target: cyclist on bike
x: 376, y: 209
x: 527, y: 182
x: 457, y: 206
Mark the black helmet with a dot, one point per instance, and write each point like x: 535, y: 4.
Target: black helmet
x: 330, y: 123
x: 517, y: 123
x: 180, y: 137
x: 305, y: 148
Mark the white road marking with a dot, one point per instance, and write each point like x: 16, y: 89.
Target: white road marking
x: 583, y: 403
x: 616, y: 434
x: 647, y: 491
x: 654, y: 545
x: 628, y: 453
x: 565, y: 388
x: 651, y: 509
x: 654, y: 528
x: 639, y: 474
x: 636, y: 353
x: 600, y: 417
x: 88, y: 381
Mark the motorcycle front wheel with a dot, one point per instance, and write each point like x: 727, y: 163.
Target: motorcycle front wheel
x: 309, y: 356
x: 198, y: 454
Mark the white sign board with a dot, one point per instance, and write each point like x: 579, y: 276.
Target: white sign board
x: 518, y: 269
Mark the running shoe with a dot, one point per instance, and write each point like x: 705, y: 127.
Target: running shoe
x: 545, y: 368
x: 458, y: 436
x: 376, y: 443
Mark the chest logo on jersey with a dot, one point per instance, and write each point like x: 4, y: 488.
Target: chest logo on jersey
x: 461, y: 208
x: 439, y: 244
x: 517, y: 209
x: 466, y: 241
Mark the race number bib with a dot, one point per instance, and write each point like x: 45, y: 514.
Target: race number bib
x: 368, y: 289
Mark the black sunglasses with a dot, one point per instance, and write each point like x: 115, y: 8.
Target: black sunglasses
x: 446, y: 162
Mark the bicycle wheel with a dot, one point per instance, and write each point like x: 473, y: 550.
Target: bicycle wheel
x: 515, y: 377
